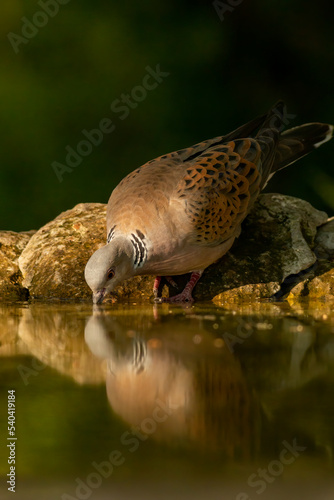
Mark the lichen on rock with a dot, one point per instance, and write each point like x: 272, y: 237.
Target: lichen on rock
x: 11, y: 246
x: 53, y: 262
x: 318, y: 284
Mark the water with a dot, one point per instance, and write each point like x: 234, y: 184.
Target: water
x: 205, y: 402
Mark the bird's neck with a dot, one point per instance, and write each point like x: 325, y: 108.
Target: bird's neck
x: 134, y: 245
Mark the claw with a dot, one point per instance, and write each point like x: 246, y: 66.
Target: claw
x: 186, y: 294
x: 178, y: 299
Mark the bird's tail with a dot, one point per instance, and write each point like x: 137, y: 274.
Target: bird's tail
x: 299, y: 141
x: 283, y: 148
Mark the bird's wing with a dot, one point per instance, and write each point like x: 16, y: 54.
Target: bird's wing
x: 219, y: 188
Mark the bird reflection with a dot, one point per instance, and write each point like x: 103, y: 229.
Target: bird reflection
x: 177, y: 383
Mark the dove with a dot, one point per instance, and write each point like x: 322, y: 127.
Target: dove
x: 182, y: 211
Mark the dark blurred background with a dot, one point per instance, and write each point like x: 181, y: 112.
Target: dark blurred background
x: 228, y: 62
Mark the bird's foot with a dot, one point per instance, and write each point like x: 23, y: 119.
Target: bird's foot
x: 157, y: 287
x: 186, y: 294
x: 182, y: 297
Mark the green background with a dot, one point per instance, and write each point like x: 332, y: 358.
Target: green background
x: 224, y: 70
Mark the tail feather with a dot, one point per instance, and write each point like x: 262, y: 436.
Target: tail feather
x: 280, y: 149
x: 299, y: 141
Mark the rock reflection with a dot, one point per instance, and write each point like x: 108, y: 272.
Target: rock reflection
x: 55, y: 338
x: 184, y: 370
x: 10, y: 343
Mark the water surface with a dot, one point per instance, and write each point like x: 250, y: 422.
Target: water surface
x: 205, y: 402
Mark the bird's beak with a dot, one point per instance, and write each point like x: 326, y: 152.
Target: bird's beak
x: 99, y: 296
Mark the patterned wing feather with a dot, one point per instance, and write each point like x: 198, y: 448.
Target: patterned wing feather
x: 219, y: 188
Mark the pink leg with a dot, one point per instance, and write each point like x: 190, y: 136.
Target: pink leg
x: 156, y: 285
x: 186, y: 295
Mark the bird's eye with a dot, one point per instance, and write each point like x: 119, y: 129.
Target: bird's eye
x: 110, y: 274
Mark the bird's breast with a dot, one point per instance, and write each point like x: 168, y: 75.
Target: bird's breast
x: 175, y: 258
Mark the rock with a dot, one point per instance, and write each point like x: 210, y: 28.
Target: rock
x: 325, y: 240
x: 53, y: 262
x: 11, y: 246
x: 276, y: 242
x: 318, y: 284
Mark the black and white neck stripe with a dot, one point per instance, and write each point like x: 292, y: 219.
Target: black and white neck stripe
x: 139, y: 246
x: 111, y: 234
x: 140, y: 249
x: 139, y: 355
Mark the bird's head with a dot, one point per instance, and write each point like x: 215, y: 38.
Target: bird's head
x: 108, y: 267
